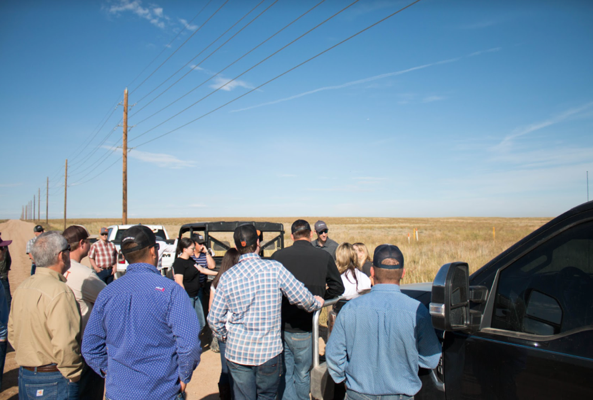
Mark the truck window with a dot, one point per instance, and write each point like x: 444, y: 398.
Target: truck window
x: 548, y: 291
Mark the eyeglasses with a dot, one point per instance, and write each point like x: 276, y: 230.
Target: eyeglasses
x: 156, y: 246
x: 323, y: 231
x: 104, y: 234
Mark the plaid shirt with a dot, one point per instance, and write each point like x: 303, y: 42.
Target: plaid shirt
x: 30, y: 244
x: 249, y: 297
x: 104, y: 254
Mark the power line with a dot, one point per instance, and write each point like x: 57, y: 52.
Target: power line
x: 183, y: 44
x: 246, y: 71
x: 169, y: 44
x: 197, y: 55
x: 95, y: 176
x: 228, y: 66
x: 282, y: 74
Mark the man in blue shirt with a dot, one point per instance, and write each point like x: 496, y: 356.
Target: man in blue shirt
x: 380, y: 339
x: 141, y: 335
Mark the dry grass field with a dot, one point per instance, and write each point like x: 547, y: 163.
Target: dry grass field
x: 440, y: 240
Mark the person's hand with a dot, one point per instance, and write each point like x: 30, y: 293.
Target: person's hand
x: 74, y: 380
x: 183, y: 385
x: 114, y: 270
x: 320, y: 300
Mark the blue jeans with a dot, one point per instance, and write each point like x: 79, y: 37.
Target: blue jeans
x: 260, y: 382
x: 225, y: 375
x: 106, y: 275
x: 3, y: 346
x: 298, y: 358
x: 352, y: 395
x: 180, y: 396
x: 45, y: 386
x: 197, y: 305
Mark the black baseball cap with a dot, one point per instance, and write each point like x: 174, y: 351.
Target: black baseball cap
x: 245, y: 236
x: 386, y: 251
x: 320, y: 226
x: 141, y: 235
x: 199, y: 239
x: 38, y: 228
x: 300, y: 225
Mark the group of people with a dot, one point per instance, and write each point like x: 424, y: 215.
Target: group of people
x: 139, y: 336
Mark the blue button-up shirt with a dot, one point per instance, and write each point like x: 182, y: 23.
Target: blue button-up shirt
x: 246, y: 308
x: 143, y: 336
x: 380, y: 340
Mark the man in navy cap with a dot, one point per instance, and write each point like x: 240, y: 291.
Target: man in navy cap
x: 141, y: 335
x: 380, y: 339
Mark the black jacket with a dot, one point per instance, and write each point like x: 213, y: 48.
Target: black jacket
x: 316, y: 269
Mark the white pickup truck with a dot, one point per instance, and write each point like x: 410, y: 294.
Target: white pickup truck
x: 166, y: 251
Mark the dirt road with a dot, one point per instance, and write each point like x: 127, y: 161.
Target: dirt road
x: 204, y: 384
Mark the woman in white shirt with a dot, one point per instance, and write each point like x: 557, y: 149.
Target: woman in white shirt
x: 347, y: 262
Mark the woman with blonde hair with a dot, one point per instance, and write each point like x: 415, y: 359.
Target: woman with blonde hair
x: 364, y: 259
x: 347, y: 262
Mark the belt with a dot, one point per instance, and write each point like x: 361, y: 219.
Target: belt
x: 43, y: 368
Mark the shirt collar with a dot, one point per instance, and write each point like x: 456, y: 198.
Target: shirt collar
x: 142, y: 267
x: 386, y: 287
x: 302, y: 243
x: 50, y: 272
x: 249, y: 256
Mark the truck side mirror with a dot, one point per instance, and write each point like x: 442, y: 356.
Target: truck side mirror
x: 449, y: 307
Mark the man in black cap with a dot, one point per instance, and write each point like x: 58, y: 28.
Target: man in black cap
x: 245, y: 314
x: 317, y: 270
x: 323, y: 241
x: 142, y: 332
x: 38, y: 230
x: 380, y: 339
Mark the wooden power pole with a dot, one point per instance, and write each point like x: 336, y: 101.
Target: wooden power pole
x: 65, y: 192
x: 47, y: 202
x: 33, y: 208
x: 124, y: 217
x: 38, y: 204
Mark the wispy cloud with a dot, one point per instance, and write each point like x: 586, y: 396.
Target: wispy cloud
x: 371, y: 79
x: 431, y: 99
x: 187, y: 25
x: 153, y: 13
x: 10, y: 184
x: 197, y: 206
x: 556, y: 119
x: 227, y: 85
x: 286, y: 176
x: 161, y: 159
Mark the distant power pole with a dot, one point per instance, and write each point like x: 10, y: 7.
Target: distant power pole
x: 33, y: 208
x: 47, y: 201
x: 124, y: 217
x: 65, y: 192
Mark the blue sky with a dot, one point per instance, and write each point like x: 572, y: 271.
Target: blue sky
x: 457, y: 108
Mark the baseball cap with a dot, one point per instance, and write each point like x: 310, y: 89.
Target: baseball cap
x: 300, y: 225
x: 141, y: 235
x: 4, y: 242
x: 75, y: 233
x: 199, y: 239
x: 104, y: 230
x: 320, y: 226
x: 38, y: 228
x: 245, y: 236
x: 386, y: 251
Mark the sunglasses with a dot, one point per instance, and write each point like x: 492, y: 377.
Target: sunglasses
x: 323, y: 231
x: 67, y: 248
x: 104, y: 234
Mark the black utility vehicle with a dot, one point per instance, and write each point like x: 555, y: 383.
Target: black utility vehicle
x: 521, y: 327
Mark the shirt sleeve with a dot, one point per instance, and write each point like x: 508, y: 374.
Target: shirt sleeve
x: 336, y: 354
x: 296, y: 292
x: 91, y: 287
x: 335, y: 286
x: 92, y: 251
x: 185, y: 327
x: 217, y: 314
x: 94, y: 348
x: 429, y: 348
x: 63, y: 324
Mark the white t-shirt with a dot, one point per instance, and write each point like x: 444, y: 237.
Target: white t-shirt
x: 350, y: 286
x: 85, y: 285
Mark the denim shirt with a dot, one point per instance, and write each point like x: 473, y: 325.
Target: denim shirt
x: 142, y: 336
x: 380, y: 340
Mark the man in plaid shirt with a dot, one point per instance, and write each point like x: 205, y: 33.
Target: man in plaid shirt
x: 103, y: 257
x: 246, y: 314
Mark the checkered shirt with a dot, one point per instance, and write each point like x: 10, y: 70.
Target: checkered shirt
x: 104, y: 254
x: 30, y: 244
x: 246, y: 308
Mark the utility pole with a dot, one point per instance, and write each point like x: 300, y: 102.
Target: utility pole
x: 33, y: 208
x: 38, y: 204
x: 65, y: 192
x: 47, y: 202
x: 124, y: 217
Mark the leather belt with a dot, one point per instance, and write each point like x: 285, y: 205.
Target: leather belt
x: 43, y: 368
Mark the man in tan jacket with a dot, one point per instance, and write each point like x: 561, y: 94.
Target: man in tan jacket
x: 44, y: 325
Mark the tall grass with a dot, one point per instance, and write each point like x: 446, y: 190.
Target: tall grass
x: 440, y: 240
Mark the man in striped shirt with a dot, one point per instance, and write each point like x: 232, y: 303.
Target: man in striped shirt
x: 246, y: 315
